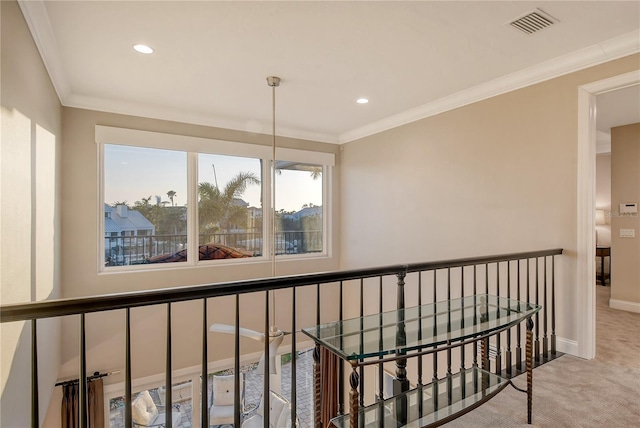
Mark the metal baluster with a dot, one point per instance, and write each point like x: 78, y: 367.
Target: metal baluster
x: 341, y: 363
x: 545, y: 340
x: 498, y: 340
x: 508, y: 353
x: 484, y: 345
x: 127, y: 371
x: 236, y: 367
x: 553, y: 305
x: 381, y: 343
x: 168, y: 383
x: 537, y: 322
x: 294, y: 358
x: 316, y: 368
x: 419, y: 328
x: 475, y: 292
x: 401, y: 383
x: 267, y: 373
x: 204, y: 384
x: 434, y: 356
x: 463, y: 380
x: 486, y: 278
x: 35, y: 406
x: 486, y: 364
x: 475, y: 342
x: 82, y: 393
x: 519, y: 328
x: 361, y: 368
x: 420, y: 400
x: 449, y: 372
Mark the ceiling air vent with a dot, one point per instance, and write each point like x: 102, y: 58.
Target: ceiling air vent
x: 533, y: 21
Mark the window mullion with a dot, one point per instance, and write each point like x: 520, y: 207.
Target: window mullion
x: 326, y: 208
x: 192, y: 208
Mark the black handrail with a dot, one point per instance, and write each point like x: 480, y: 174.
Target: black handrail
x: 84, y: 305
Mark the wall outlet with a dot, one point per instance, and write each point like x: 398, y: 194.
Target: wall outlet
x: 627, y: 233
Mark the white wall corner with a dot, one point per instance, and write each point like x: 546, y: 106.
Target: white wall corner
x: 624, y: 305
x: 37, y: 19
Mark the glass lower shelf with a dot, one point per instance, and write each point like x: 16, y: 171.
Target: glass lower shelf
x: 436, y: 402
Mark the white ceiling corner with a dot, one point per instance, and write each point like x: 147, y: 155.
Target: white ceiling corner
x: 323, y: 67
x: 37, y: 19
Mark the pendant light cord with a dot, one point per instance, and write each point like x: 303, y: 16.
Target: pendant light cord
x: 273, y: 82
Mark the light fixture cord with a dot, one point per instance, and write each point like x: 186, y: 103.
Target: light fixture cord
x: 273, y: 180
x: 273, y: 82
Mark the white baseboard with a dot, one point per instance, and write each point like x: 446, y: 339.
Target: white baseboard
x: 624, y: 305
x: 567, y: 346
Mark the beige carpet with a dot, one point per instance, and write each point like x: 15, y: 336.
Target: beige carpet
x: 572, y: 392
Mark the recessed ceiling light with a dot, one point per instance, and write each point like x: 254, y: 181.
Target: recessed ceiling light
x: 143, y: 49
x: 362, y: 100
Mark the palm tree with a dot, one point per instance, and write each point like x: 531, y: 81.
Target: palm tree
x: 220, y: 209
x: 316, y: 172
x: 171, y: 194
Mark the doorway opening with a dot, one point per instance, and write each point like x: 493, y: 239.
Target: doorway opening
x: 586, y: 314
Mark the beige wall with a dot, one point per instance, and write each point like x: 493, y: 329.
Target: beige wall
x: 603, y: 197
x: 625, y: 187
x: 492, y: 177
x: 30, y: 222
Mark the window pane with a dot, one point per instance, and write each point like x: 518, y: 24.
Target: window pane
x: 229, y: 207
x: 299, y: 223
x: 145, y: 195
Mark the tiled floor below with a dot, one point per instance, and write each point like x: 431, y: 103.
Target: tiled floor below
x: 253, y: 394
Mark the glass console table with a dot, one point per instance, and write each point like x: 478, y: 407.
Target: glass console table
x: 412, y: 332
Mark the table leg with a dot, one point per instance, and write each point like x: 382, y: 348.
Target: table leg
x: 354, y: 381
x: 484, y: 364
x: 602, y: 271
x: 317, y: 387
x: 529, y: 356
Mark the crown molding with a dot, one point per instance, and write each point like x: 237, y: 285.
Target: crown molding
x: 191, y: 117
x: 608, y: 50
x: 37, y: 19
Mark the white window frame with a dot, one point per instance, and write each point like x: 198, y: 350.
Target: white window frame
x: 192, y: 146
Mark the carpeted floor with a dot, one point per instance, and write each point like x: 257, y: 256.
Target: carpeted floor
x: 572, y: 392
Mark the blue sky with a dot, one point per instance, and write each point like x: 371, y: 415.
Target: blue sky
x: 133, y: 173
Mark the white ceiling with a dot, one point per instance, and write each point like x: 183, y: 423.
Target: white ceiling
x: 411, y: 59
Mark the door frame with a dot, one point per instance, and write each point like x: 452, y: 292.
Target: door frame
x: 586, y: 275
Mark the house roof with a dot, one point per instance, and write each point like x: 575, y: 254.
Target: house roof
x: 309, y: 211
x: 133, y: 220
x: 411, y: 59
x: 110, y: 226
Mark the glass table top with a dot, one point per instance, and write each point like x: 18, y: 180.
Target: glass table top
x: 416, y: 328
